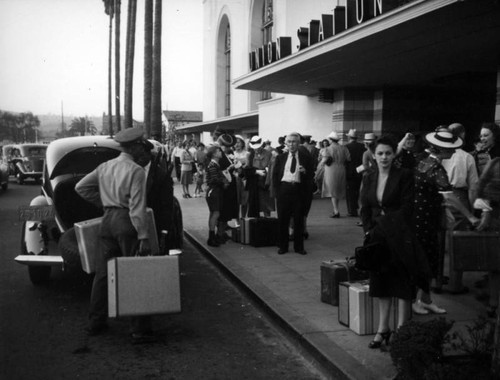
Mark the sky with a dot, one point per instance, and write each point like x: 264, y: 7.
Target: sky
x: 55, y: 52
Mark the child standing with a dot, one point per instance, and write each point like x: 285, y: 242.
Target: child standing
x: 199, y: 179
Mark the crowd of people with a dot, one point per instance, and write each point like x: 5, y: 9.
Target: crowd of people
x: 406, y: 193
x: 413, y: 189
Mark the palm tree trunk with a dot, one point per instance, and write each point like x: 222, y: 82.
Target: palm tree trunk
x: 156, y: 85
x: 117, y: 65
x: 110, y: 70
x: 129, y: 62
x: 148, y: 64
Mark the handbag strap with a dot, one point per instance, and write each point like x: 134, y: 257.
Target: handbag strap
x: 346, y: 265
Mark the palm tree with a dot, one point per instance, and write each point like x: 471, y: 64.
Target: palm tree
x: 109, y: 10
x: 148, y: 64
x: 117, y: 65
x: 156, y: 125
x: 81, y: 126
x: 129, y: 61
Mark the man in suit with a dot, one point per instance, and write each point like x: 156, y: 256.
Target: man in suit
x: 353, y: 178
x: 293, y: 171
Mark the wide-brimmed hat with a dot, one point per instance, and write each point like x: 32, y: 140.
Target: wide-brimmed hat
x: 443, y: 139
x: 256, y: 142
x: 226, y: 140
x: 352, y: 134
x: 239, y: 137
x: 333, y: 136
x: 369, y: 137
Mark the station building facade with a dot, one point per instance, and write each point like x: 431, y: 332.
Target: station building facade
x: 276, y: 66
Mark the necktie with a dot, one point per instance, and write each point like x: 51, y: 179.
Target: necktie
x: 294, y: 164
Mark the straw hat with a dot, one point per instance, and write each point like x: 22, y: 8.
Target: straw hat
x: 333, y: 136
x: 256, y: 142
x: 352, y: 134
x: 443, y: 139
x: 369, y: 137
x: 226, y: 140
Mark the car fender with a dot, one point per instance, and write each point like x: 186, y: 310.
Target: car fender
x: 32, y: 235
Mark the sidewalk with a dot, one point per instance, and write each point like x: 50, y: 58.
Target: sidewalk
x: 290, y: 286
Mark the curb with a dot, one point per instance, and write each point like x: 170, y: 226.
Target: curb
x: 334, y: 361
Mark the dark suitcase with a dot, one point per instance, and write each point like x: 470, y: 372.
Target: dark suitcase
x: 236, y: 234
x: 264, y: 232
x: 334, y: 272
x: 474, y: 250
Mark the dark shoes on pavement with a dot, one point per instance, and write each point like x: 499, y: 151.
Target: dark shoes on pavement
x: 142, y: 338
x: 301, y: 252
x: 282, y: 251
x: 96, y: 329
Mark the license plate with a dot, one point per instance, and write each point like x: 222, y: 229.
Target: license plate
x: 27, y: 213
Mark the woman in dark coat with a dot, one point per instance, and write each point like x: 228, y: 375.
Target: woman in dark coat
x: 386, y: 210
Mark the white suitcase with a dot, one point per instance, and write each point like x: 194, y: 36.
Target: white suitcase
x: 143, y: 285
x: 89, y: 244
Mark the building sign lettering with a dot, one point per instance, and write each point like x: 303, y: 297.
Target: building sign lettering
x: 354, y: 13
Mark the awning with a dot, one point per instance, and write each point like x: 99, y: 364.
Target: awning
x: 422, y: 43
x: 232, y: 123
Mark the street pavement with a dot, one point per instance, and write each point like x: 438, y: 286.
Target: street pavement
x: 289, y: 286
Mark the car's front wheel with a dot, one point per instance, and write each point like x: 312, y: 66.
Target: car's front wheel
x: 39, y: 275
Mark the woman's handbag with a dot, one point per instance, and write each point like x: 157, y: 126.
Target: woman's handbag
x: 329, y: 161
x: 371, y: 256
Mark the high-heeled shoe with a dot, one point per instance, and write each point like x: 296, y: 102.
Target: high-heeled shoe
x: 385, y: 337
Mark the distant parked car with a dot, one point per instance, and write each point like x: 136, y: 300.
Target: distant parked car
x: 48, y: 236
x: 4, y: 172
x: 25, y: 161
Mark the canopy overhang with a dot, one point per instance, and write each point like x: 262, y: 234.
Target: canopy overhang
x: 422, y: 43
x: 237, y: 122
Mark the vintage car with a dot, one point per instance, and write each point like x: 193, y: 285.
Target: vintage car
x: 48, y: 236
x: 4, y: 173
x: 25, y: 160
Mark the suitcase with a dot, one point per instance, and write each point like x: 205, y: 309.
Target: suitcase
x: 334, y: 272
x: 245, y: 230
x: 236, y: 234
x: 264, y: 232
x: 359, y: 311
x: 474, y: 250
x: 143, y: 285
x: 89, y: 244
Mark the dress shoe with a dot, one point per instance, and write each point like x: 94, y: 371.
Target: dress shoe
x: 337, y: 215
x: 418, y: 309
x: 382, y: 336
x: 142, y: 338
x: 491, y: 311
x: 301, y: 252
x: 432, y: 307
x: 359, y: 224
x: 96, y: 329
x: 282, y: 251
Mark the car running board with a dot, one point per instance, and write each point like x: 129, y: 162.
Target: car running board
x: 39, y: 260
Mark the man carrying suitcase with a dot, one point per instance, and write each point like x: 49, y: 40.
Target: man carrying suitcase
x: 119, y: 186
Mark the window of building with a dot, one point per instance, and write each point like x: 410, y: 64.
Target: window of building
x: 267, y: 32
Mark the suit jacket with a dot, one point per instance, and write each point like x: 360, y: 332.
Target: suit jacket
x: 356, y: 151
x: 305, y: 161
x: 397, y: 197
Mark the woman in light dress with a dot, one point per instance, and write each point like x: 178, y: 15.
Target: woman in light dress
x: 334, y: 159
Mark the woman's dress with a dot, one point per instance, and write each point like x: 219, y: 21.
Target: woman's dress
x: 334, y: 180
x: 430, y: 180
